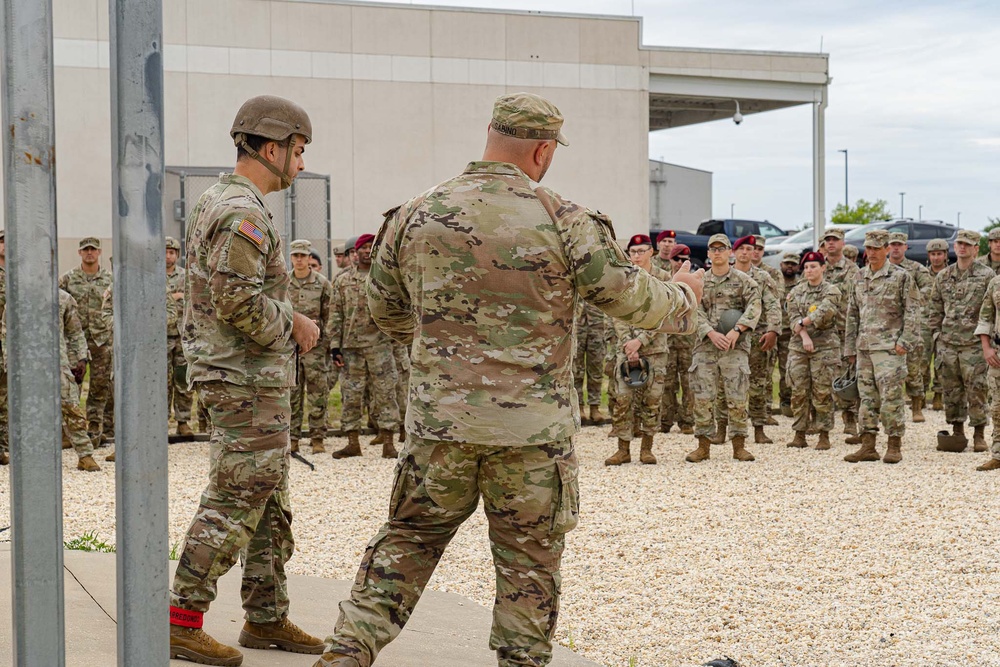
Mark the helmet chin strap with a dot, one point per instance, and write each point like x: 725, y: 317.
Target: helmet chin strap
x: 286, y: 180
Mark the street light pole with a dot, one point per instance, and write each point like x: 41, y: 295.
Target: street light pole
x: 901, y: 196
x: 847, y: 201
x: 959, y: 219
x: 732, y: 207
x: 920, y: 212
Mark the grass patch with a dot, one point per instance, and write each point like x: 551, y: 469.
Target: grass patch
x: 89, y: 541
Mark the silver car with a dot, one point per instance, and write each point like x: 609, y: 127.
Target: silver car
x: 797, y: 243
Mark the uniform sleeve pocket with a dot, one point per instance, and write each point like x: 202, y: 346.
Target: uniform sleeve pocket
x: 606, y: 232
x: 567, y: 513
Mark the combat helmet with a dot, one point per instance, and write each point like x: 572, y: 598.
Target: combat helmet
x: 845, y: 387
x: 273, y: 118
x: 635, y: 376
x: 728, y: 319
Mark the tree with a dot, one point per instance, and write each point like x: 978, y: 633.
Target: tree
x: 861, y: 213
x: 984, y: 242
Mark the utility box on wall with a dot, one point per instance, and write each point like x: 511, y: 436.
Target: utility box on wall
x: 679, y: 197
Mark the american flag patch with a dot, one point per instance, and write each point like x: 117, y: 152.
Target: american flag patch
x: 250, y: 230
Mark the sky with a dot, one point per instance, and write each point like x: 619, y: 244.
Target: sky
x: 914, y: 98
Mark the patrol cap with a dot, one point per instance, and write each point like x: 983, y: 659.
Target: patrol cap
x: 937, y: 244
x: 759, y: 241
x: 350, y: 243
x: 666, y: 234
x: 897, y: 237
x: 719, y: 238
x: 338, y: 250
x: 527, y: 116
x: 90, y: 242
x: 172, y: 243
x: 742, y: 241
x: 639, y: 239
x: 813, y: 256
x: 789, y: 258
x: 680, y: 249
x: 876, y: 238
x: 300, y: 247
x: 994, y: 234
x: 315, y: 255
x: 850, y: 251
x: 967, y: 236
x: 834, y: 232
x: 363, y: 239
x: 2, y: 232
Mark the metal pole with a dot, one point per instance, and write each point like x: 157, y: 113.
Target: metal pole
x: 33, y: 335
x: 329, y: 232
x: 136, y: 29
x: 901, y: 196
x: 847, y: 200
x: 819, y: 168
x: 920, y: 212
x: 732, y: 208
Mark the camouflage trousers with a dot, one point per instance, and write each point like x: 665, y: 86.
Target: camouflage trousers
x: 915, y: 371
x: 671, y: 409
x: 993, y: 378
x: 245, y: 509
x: 761, y: 381
x: 930, y: 356
x: 178, y: 394
x: 4, y: 419
x: 714, y: 371
x: 852, y: 406
x: 589, y: 363
x: 531, y: 500
x: 74, y: 423
x: 638, y: 410
x: 964, y: 385
x: 401, y: 355
x: 781, y: 352
x: 311, y: 388
x: 881, y: 376
x: 100, y: 391
x: 810, y: 381
x: 373, y: 368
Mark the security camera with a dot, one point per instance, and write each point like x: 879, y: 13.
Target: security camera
x: 737, y: 117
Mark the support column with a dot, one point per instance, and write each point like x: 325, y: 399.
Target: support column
x: 819, y: 167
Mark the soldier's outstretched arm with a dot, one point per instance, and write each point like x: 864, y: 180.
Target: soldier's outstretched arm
x: 388, y: 299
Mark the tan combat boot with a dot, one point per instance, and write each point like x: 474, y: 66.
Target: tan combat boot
x: 760, y: 437
x: 665, y: 427
x: 771, y: 421
x: 87, y: 464
x: 720, y: 435
x: 388, y: 451
x: 740, y: 452
x: 198, y: 646
x: 979, y: 439
x: 687, y: 429
x: 958, y: 428
x: 353, y: 447
x: 621, y: 456
x: 992, y: 464
x: 66, y: 444
x: 110, y: 457
x: 184, y: 430
x: 855, y: 438
x: 892, y: 454
x: 4, y: 458
x: 402, y: 434
x: 595, y: 415
x: 799, y: 440
x: 867, y: 452
x: 937, y: 405
x: 378, y: 439
x: 646, y: 451
x: 850, y: 423
x: 202, y: 426
x: 282, y: 634
x: 703, y: 452
x: 336, y: 660
x: 317, y: 445
x: 824, y: 440
x: 916, y: 406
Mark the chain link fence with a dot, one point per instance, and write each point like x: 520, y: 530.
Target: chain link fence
x: 300, y: 212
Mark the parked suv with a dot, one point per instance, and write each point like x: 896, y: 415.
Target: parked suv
x: 919, y: 232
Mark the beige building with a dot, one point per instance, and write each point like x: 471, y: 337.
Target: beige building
x: 400, y: 97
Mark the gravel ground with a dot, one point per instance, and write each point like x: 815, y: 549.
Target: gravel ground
x: 796, y: 559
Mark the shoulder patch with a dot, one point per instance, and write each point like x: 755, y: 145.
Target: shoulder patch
x: 250, y: 230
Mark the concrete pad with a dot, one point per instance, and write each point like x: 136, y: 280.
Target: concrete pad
x: 446, y: 630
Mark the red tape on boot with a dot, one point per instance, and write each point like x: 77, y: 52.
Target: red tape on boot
x: 186, y: 618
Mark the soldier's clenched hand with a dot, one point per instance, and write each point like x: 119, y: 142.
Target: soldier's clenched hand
x: 631, y: 348
x: 900, y: 350
x: 718, y: 340
x: 696, y: 280
x: 769, y: 340
x: 991, y: 356
x: 304, y: 332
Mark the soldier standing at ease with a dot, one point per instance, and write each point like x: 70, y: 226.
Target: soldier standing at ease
x: 721, y: 359
x: 992, y: 258
x: 764, y: 337
x: 956, y: 298
x: 937, y: 257
x: 882, y: 328
x: 86, y: 283
x: 915, y: 357
x: 757, y: 259
x: 178, y: 395
x: 239, y: 338
x: 365, y: 353
x: 588, y: 365
x: 310, y: 294
x: 790, y: 278
x: 665, y: 242
x: 988, y: 330
x: 72, y: 366
x: 492, y: 368
x: 842, y: 272
x: 813, y: 308
x: 679, y: 349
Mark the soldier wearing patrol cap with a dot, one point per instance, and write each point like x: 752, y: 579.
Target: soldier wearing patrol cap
x: 842, y: 272
x: 767, y: 381
x: 915, y: 358
x: 988, y: 331
x: 178, y: 395
x: 992, y: 258
x: 937, y: 260
x: 790, y: 278
x: 953, y: 313
x: 491, y: 333
x: 340, y: 257
x: 679, y: 348
x: 86, y: 284
x: 240, y: 336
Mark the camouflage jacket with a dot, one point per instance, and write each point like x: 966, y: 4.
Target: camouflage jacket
x: 104, y: 326
x: 770, y: 299
x: 351, y: 322
x: 175, y: 283
x: 237, y: 316
x: 733, y: 291
x: 842, y: 275
x: 921, y: 276
x: 883, y: 311
x: 956, y: 298
x: 989, y: 323
x: 661, y: 263
x: 986, y: 261
x: 72, y: 342
x: 790, y: 284
x: 777, y: 276
x: 89, y: 292
x: 821, y: 304
x: 483, y: 274
x: 311, y: 296
x: 653, y: 342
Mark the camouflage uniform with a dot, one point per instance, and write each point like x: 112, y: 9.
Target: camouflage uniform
x: 767, y: 379
x: 485, y: 283
x: 88, y: 291
x: 883, y: 312
x: 237, y: 341
x: 915, y: 358
x: 986, y: 260
x: 956, y: 299
x: 178, y: 395
x: 591, y: 349
x: 368, y: 356
x: 784, y: 391
x: 843, y: 275
x: 311, y: 297
x: 810, y: 374
x: 713, y: 370
x: 761, y: 362
x: 401, y: 355
x: 989, y: 325
x: 930, y: 353
x: 679, y: 351
x: 72, y: 350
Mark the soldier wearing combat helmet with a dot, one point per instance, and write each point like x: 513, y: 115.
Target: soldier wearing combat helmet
x: 240, y: 337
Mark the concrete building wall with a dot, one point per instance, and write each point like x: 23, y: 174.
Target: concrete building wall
x: 679, y: 197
